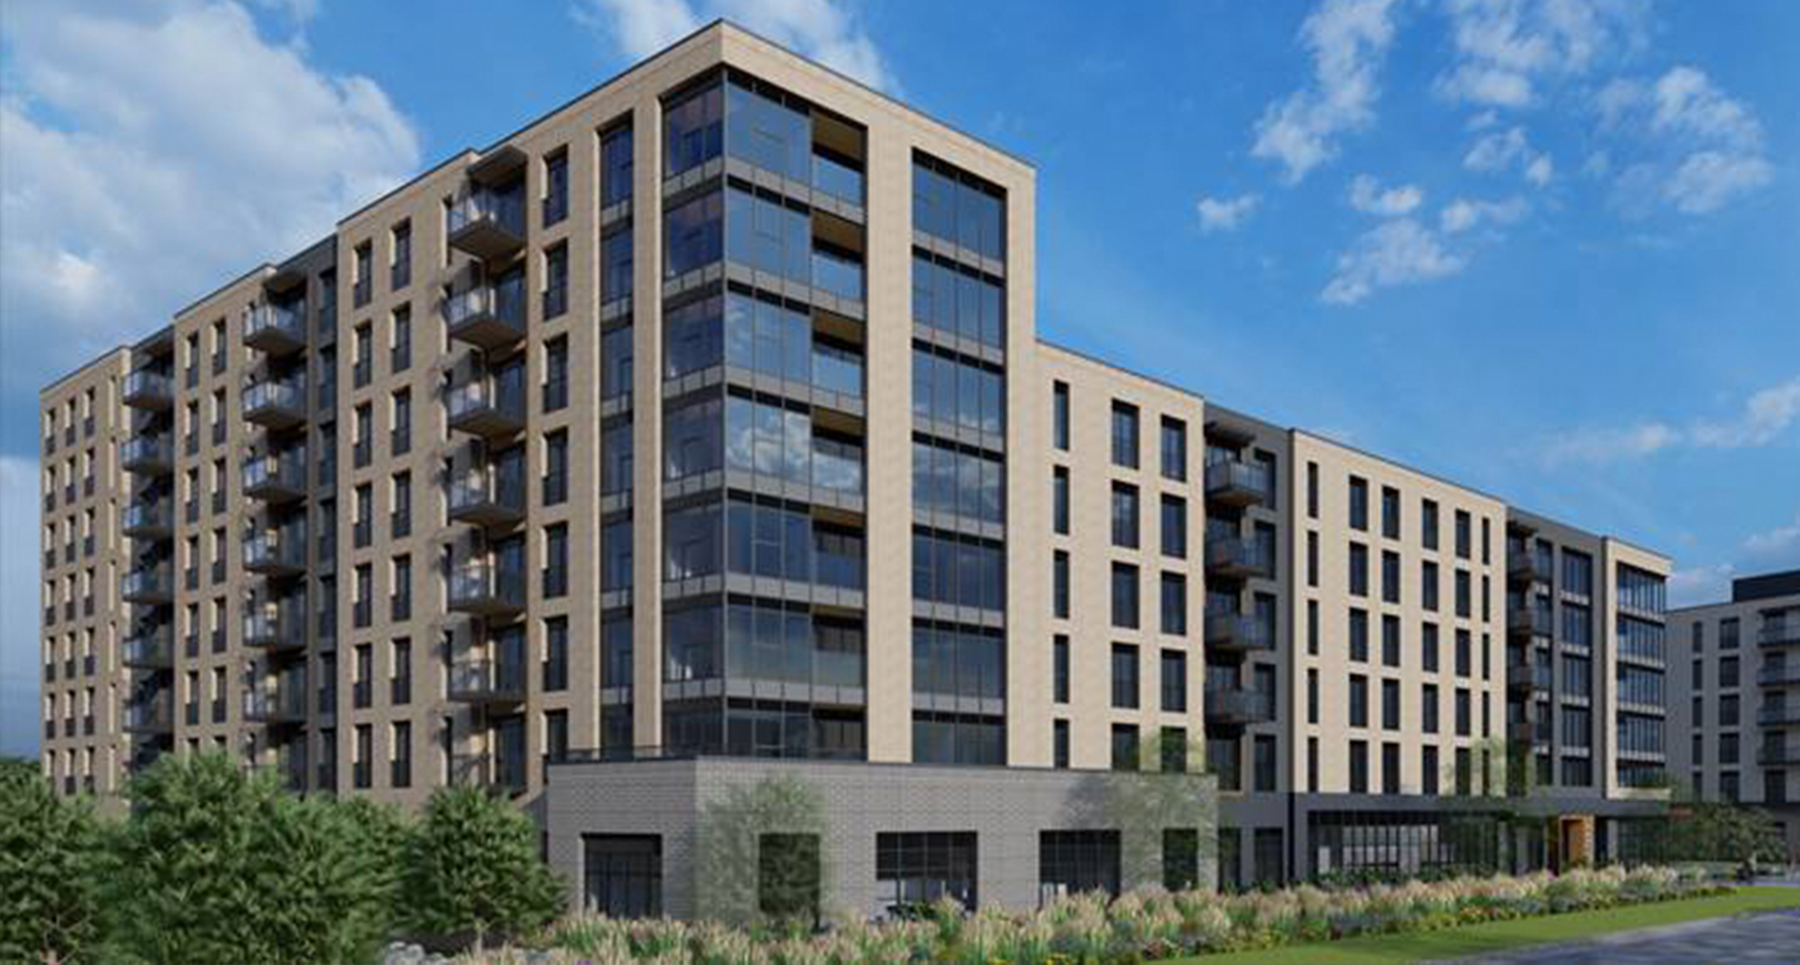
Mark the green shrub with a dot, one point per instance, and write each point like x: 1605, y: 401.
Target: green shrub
x: 50, y: 869
x: 473, y: 871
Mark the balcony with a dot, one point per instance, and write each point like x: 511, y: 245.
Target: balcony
x: 276, y: 627
x: 1526, y: 567
x: 489, y: 224
x: 1779, y: 635
x: 153, y: 715
x: 487, y: 681
x: 275, y: 552
x: 1233, y: 706
x: 145, y: 389
x: 1528, y: 622
x: 1778, y: 756
x: 276, y: 478
x: 276, y: 329
x: 275, y: 404
x: 151, y: 648
x: 484, y: 771
x: 1235, y: 483
x: 1779, y: 715
x: 1237, y: 558
x: 1528, y: 675
x: 148, y: 455
x: 488, y: 499
x: 147, y: 584
x: 486, y: 590
x: 148, y: 520
x: 283, y: 702
x: 481, y: 408
x: 487, y: 316
x: 1779, y: 675
x: 1238, y: 632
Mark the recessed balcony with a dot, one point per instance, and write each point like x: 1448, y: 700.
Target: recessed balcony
x: 148, y: 520
x: 1779, y: 635
x: 488, y: 499
x: 150, y: 715
x: 145, y: 389
x: 1238, y: 632
x: 1779, y: 715
x: 487, y: 316
x: 484, y: 681
x: 486, y: 590
x: 489, y: 224
x: 1778, y: 756
x: 484, y: 408
x: 147, y: 455
x: 276, y: 329
x: 147, y: 584
x: 1237, y: 558
x: 276, y: 478
x: 1235, y: 483
x: 276, y: 627
x: 275, y: 404
x: 275, y: 552
x: 149, y: 648
x: 282, y: 702
x: 1235, y: 706
x: 1779, y: 675
x: 1528, y: 622
x: 1527, y: 567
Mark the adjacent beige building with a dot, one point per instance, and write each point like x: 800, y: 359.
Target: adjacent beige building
x: 705, y: 420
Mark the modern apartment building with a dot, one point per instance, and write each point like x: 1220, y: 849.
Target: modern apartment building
x: 700, y: 431
x: 1736, y: 695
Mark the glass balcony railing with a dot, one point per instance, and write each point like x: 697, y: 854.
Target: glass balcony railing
x: 147, y: 518
x: 1239, y: 483
x: 276, y: 626
x: 1238, y: 557
x: 488, y: 223
x: 486, y: 588
x: 488, y: 498
x: 275, y: 550
x: 145, y: 389
x: 481, y: 407
x: 275, y: 402
x: 839, y: 276
x: 275, y: 476
x: 147, y: 584
x: 272, y: 327
x: 487, y: 315
x: 482, y: 680
x: 150, y: 454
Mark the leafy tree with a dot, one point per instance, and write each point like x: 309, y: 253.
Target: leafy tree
x: 222, y: 867
x: 474, y: 872
x: 384, y: 833
x: 50, y: 857
x: 1169, y: 790
x: 761, y: 854
x: 1718, y: 831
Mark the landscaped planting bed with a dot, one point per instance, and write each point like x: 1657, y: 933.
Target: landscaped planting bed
x: 1137, y: 927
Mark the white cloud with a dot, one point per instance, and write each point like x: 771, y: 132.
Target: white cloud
x: 1348, y: 40
x: 1700, y: 585
x: 1507, y: 50
x: 1597, y: 446
x: 1775, y: 547
x: 1695, y: 148
x: 1463, y: 214
x: 820, y: 29
x: 1765, y: 417
x: 1397, y: 252
x: 1503, y: 150
x: 1225, y: 214
x: 150, y: 151
x: 1367, y: 196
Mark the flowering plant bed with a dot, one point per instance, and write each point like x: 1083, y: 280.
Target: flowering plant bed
x: 1140, y: 926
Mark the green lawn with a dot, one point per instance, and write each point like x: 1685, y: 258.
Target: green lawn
x: 1502, y: 935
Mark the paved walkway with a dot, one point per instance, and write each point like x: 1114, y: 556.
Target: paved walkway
x: 1763, y: 939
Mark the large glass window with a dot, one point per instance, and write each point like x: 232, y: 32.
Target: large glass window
x: 958, y: 207
x: 958, y: 300
x: 941, y: 738
x: 917, y: 868
x: 958, y: 661
x: 1072, y: 862
x: 695, y: 129
x: 615, y: 265
x: 695, y: 234
x: 957, y: 392
x: 768, y: 133
x: 756, y: 640
x: 957, y: 480
x: 622, y: 875
x: 615, y: 165
x: 765, y: 234
x: 761, y: 336
x: 958, y: 570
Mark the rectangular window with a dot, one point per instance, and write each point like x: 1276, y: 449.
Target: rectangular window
x: 1390, y: 768
x: 616, y: 153
x: 1390, y: 576
x: 1125, y: 596
x: 1073, y: 862
x: 1127, y: 748
x: 1428, y: 708
x: 1312, y: 490
x: 1312, y: 695
x: 400, y: 272
x: 1390, y: 704
x: 1059, y: 584
x: 1390, y: 640
x: 1312, y: 559
x: 1359, y: 767
x: 1359, y: 635
x: 1125, y: 435
x: 1262, y: 763
x: 1059, y: 500
x: 1124, y: 676
x: 1390, y: 512
x: 1059, y: 668
x: 1312, y: 627
x: 1428, y: 585
x: 1359, y: 700
x: 556, y: 280
x: 1174, y: 449
x: 1059, y: 415
x: 1174, y: 527
x: 1428, y: 523
x: 918, y: 868
x: 556, y: 653
x: 1125, y: 515
x: 556, y: 374
x: 1464, y: 534
x: 1060, y: 742
x: 1174, y: 604
x: 1359, y: 570
x: 1174, y: 681
x: 1359, y: 503
x: 1428, y: 647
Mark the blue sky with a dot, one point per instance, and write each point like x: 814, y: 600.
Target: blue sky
x: 1549, y: 248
